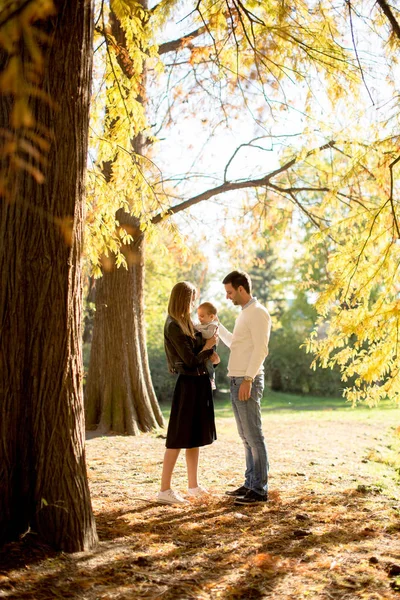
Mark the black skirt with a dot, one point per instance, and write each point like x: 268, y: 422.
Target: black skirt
x: 191, y: 422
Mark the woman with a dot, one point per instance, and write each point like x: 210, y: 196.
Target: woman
x: 191, y: 422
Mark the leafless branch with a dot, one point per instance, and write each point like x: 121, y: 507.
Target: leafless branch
x: 353, y: 199
x: 197, y: 9
x: 356, y: 52
x: 370, y: 173
x: 238, y: 185
x: 392, y: 164
x: 378, y: 212
x: 252, y: 145
x: 100, y: 14
x: 292, y: 195
x: 251, y: 16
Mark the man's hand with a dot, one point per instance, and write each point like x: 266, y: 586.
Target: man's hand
x: 245, y: 391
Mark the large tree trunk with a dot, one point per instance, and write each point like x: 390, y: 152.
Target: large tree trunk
x: 119, y: 393
x: 43, y: 480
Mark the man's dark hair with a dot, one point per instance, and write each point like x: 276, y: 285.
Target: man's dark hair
x: 237, y: 278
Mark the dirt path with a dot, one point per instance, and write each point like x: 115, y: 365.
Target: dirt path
x: 331, y: 529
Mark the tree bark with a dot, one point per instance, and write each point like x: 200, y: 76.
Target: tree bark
x: 119, y: 394
x: 43, y: 480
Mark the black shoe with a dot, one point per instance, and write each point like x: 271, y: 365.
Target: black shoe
x: 242, y: 491
x: 251, y: 498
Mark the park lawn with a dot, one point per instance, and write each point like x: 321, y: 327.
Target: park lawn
x: 330, y: 530
x: 283, y: 403
x: 277, y: 401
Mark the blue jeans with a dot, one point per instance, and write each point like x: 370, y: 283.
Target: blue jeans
x: 248, y: 420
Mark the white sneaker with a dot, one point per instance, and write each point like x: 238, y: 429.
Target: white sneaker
x: 170, y: 497
x: 197, y: 491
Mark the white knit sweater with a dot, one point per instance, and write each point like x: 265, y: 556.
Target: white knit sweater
x: 249, y: 341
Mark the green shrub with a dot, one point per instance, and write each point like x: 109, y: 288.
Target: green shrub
x: 163, y: 380
x: 287, y: 368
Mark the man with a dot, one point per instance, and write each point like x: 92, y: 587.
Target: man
x: 248, y: 348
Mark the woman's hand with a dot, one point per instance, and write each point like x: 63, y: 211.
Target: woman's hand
x: 215, y: 359
x: 211, y: 342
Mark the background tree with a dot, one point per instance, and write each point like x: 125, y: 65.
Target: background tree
x: 43, y: 481
x: 119, y: 394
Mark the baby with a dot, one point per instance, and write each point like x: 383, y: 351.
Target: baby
x: 208, y: 326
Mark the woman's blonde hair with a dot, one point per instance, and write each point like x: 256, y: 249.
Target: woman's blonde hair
x: 180, y: 305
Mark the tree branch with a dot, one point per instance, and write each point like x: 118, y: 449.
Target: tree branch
x: 183, y: 42
x: 229, y: 186
x: 356, y: 51
x: 251, y: 16
x: 118, y: 41
x: 391, y: 196
x: 390, y: 16
x: 252, y: 145
x: 291, y: 193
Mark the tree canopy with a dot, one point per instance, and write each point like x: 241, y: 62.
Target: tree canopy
x: 252, y: 62
x: 327, y: 72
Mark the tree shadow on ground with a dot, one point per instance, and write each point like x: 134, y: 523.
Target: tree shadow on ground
x: 213, y: 550
x: 25, y: 552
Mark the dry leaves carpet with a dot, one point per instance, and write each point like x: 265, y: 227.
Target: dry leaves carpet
x: 331, y: 529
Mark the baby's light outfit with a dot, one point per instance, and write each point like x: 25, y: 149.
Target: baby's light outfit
x: 207, y: 330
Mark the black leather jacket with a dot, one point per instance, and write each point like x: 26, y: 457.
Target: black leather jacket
x: 184, y: 355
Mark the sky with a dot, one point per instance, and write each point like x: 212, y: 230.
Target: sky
x: 209, y: 156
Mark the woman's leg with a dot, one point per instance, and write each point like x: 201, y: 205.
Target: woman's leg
x: 170, y: 458
x: 192, y: 463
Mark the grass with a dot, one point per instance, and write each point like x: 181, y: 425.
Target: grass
x: 280, y: 402
x: 289, y: 404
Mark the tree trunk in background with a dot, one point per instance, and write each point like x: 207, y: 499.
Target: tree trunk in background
x: 43, y: 480
x: 119, y: 394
